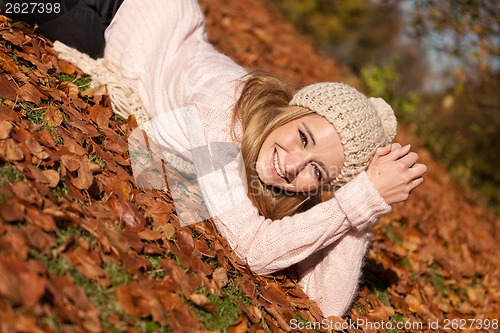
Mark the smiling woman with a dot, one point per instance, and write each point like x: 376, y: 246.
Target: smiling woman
x: 159, y: 66
x: 297, y: 144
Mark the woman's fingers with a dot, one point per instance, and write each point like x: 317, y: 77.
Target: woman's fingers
x: 381, y: 151
x: 395, y: 145
x: 397, y: 152
x: 420, y: 169
x: 396, y: 174
x: 409, y: 160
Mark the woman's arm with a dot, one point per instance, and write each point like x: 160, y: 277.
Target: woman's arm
x: 331, y: 276
x: 270, y: 245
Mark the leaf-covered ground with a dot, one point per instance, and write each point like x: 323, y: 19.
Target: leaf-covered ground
x: 84, y: 249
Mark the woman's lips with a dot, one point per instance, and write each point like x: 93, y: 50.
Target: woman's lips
x: 276, y: 167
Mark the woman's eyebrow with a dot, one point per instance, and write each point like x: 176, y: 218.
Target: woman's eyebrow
x: 309, y: 132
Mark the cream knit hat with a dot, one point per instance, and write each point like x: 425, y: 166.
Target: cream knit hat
x: 363, y: 124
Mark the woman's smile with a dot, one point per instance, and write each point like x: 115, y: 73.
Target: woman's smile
x: 276, y: 166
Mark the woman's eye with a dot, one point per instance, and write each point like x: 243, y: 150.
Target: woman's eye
x: 303, y: 138
x: 317, y: 173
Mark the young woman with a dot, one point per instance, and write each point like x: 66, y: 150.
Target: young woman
x: 158, y: 62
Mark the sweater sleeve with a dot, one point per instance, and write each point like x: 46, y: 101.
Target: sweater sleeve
x: 271, y: 245
x: 331, y: 276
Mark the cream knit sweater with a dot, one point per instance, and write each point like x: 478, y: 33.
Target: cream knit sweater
x: 160, y: 47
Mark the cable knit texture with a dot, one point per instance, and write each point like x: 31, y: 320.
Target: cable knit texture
x: 362, y: 123
x: 161, y: 51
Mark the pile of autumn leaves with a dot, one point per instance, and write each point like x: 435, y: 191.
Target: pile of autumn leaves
x: 73, y: 199
x: 74, y: 172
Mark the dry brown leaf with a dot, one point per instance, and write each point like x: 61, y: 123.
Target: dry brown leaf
x: 36, y: 149
x: 10, y: 151
x: 39, y: 239
x: 220, y: 277
x: 66, y: 67
x: 8, y: 90
x: 149, y: 235
x: 7, y: 114
x: 14, y: 38
x: 19, y: 283
x: 71, y: 162
x: 52, y: 176
x: 130, y: 298
x: 128, y: 214
x: 8, y: 65
x: 413, y: 303
x: 85, y: 178
x: 167, y: 230
x: 202, y: 301
x: 90, y: 266
x: 53, y: 116
x: 42, y: 220
x: 185, y: 240
x: 253, y: 312
x: 27, y: 193
x: 100, y: 115
x: 160, y: 212
x: 5, y: 128
x: 30, y: 93
x: 240, y: 326
x: 45, y: 138
x: 12, y: 211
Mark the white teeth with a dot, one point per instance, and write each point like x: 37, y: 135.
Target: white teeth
x: 276, y: 165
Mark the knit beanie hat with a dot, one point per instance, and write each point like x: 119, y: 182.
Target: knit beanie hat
x: 363, y: 123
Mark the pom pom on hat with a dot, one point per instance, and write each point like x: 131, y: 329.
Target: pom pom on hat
x: 363, y: 123
x: 386, y: 114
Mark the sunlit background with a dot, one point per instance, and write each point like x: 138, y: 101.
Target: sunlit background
x: 438, y: 64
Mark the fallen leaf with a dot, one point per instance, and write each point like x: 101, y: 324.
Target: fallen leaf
x: 220, y: 277
x: 85, y: 178
x: 202, y: 301
x: 8, y: 89
x: 30, y: 93
x: 12, y: 211
x: 42, y: 220
x: 52, y: 176
x: 53, y: 116
x: 128, y: 214
x: 36, y: 149
x: 413, y: 303
x: 5, y: 128
x: 10, y: 151
x: 100, y: 115
x: 240, y: 326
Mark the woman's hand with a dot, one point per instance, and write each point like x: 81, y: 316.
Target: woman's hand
x: 395, y: 173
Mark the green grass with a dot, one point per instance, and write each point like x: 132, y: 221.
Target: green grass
x: 392, y: 235
x: 62, y: 190
x: 103, y: 298
x: 82, y: 83
x: 228, y: 308
x: 93, y: 158
x: 36, y: 115
x: 436, y: 278
x: 10, y: 173
x: 156, y: 271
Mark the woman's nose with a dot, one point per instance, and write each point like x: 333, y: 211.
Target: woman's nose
x: 295, y: 163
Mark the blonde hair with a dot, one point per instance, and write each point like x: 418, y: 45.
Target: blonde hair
x: 261, y: 108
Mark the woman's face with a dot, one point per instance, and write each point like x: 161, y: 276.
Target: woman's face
x: 301, y: 155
